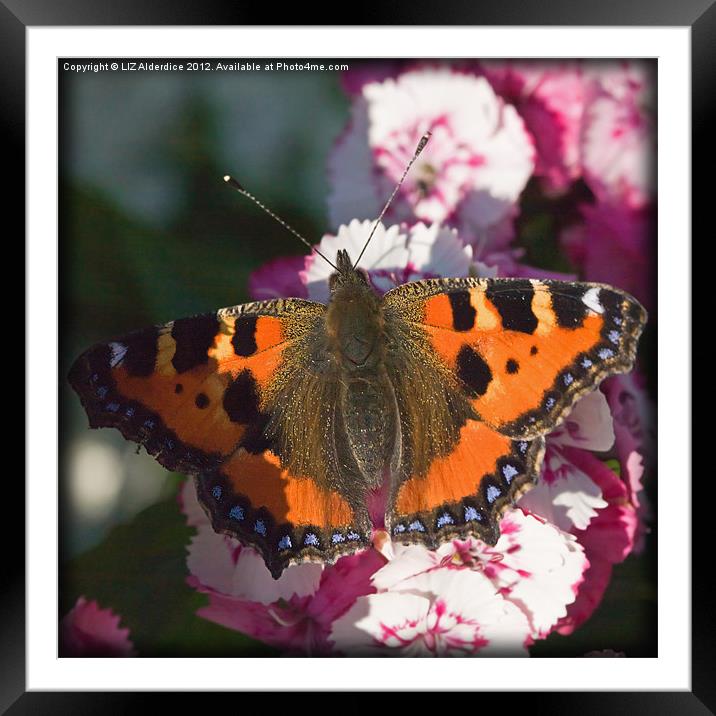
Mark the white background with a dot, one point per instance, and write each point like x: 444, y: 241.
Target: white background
x: 671, y: 670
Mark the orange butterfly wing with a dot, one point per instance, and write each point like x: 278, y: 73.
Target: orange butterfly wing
x: 524, y: 350
x: 288, y: 519
x: 467, y: 491
x: 193, y: 392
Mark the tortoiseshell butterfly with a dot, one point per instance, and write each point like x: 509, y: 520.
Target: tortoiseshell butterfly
x: 308, y: 426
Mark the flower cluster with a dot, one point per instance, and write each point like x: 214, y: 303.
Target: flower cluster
x: 495, y: 125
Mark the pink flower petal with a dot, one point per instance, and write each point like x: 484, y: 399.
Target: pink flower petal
x: 550, y: 96
x: 87, y: 630
x: 614, y: 245
x: 618, y: 140
x: 278, y: 279
x: 588, y: 425
x: 298, y: 624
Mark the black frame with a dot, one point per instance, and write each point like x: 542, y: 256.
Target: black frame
x: 16, y: 15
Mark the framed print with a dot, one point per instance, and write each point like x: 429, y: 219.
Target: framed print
x: 561, y: 190
x: 520, y: 196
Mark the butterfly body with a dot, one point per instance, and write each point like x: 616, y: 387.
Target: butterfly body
x: 292, y: 416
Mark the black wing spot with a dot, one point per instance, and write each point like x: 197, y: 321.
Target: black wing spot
x: 463, y: 313
x: 141, y: 355
x: 193, y: 337
x: 244, y: 338
x: 472, y: 370
x: 514, y: 305
x: 512, y: 366
x: 533, y: 351
x: 569, y: 309
x: 178, y: 388
x: 241, y: 399
x: 201, y: 401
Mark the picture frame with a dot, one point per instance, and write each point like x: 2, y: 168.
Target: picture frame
x: 17, y: 22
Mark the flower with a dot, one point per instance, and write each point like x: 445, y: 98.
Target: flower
x: 446, y: 614
x: 279, y: 278
x: 476, y: 163
x: 395, y: 255
x: 88, y: 630
x: 608, y: 539
x: 618, y: 139
x: 614, y: 244
x: 581, y: 495
x: 635, y: 442
x: 566, y: 495
x: 467, y: 598
x: 550, y: 97
x: 294, y: 612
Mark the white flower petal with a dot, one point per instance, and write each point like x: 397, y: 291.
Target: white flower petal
x: 378, y: 621
x: 408, y: 561
x: 569, y: 499
x: 589, y: 425
x: 540, y: 568
x: 438, y: 251
x: 221, y: 563
x: 444, y: 612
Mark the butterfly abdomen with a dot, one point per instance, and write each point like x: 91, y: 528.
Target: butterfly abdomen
x: 357, y: 342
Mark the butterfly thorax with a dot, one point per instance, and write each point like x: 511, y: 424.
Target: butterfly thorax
x: 354, y: 326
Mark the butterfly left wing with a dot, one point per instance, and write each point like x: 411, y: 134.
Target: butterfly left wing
x: 190, y: 391
x: 288, y: 519
x: 201, y: 394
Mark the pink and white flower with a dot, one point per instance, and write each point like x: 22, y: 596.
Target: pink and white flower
x: 395, y: 255
x: 467, y: 598
x: 550, y: 97
x: 635, y: 442
x: 565, y: 495
x: 294, y: 612
x: 618, y: 139
x: 88, y: 630
x: 608, y: 539
x: 477, y: 162
x: 581, y: 495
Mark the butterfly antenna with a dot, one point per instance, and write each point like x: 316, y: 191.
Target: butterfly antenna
x: 235, y: 185
x: 421, y: 145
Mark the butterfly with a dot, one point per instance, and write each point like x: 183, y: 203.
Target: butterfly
x: 309, y: 427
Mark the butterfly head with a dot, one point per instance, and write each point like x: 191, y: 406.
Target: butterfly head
x: 346, y: 274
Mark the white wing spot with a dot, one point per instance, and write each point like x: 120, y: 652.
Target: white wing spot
x: 591, y: 300
x: 119, y: 350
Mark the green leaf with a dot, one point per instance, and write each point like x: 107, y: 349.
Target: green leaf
x: 140, y: 572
